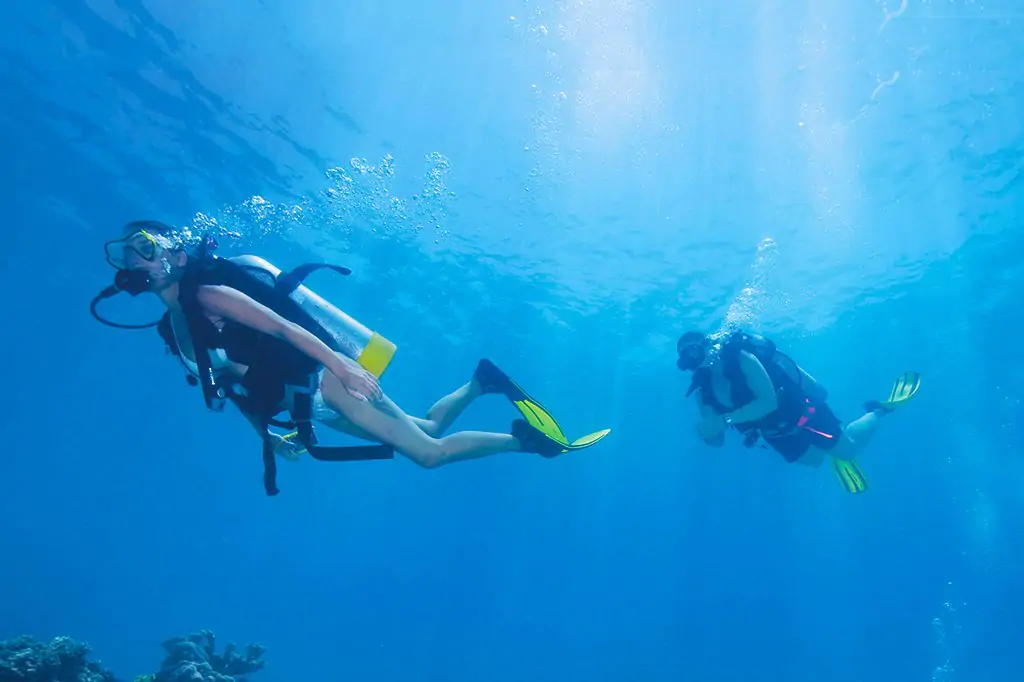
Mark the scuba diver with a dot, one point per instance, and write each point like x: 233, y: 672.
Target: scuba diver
x: 744, y: 381
x: 254, y: 336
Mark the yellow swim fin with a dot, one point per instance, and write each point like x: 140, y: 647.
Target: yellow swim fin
x: 850, y: 475
x: 493, y: 380
x: 534, y: 440
x: 537, y: 415
x: 904, y: 388
x: 540, y: 419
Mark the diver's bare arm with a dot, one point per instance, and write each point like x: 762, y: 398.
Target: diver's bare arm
x: 765, y: 401
x: 234, y: 305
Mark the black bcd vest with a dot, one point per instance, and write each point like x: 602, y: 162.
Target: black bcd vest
x: 782, y: 370
x: 274, y: 364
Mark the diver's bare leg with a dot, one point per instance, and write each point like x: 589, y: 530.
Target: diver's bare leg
x: 856, y: 436
x: 446, y: 410
x: 385, y: 422
x: 439, y: 418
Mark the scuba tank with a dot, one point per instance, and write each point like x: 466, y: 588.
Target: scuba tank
x: 371, y: 350
x: 814, y: 390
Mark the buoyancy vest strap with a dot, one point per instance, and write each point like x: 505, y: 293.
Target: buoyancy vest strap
x: 269, y: 467
x: 352, y: 453
x: 189, y: 299
x: 301, y: 414
x: 289, y: 281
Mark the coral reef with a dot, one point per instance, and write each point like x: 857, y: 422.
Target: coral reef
x: 24, y: 659
x: 189, y: 659
x: 194, y: 659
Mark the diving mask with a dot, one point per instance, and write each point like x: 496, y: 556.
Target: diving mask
x: 146, y: 244
x: 692, y: 351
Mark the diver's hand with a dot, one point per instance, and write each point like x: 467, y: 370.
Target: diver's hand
x: 711, y: 427
x: 360, y: 384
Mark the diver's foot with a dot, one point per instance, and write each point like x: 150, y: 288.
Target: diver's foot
x: 491, y: 379
x: 532, y: 440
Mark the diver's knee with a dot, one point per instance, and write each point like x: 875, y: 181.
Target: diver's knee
x: 429, y: 454
x: 845, y: 444
x: 432, y: 429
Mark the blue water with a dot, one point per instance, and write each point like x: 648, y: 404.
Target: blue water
x: 563, y: 186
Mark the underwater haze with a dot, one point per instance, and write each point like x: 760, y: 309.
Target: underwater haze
x: 563, y: 187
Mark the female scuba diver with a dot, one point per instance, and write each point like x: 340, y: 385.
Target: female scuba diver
x: 248, y: 334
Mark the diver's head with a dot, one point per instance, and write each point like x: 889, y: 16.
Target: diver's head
x: 149, y: 256
x: 692, y: 349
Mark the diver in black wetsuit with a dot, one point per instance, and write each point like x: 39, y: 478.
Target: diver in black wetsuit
x: 743, y: 381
